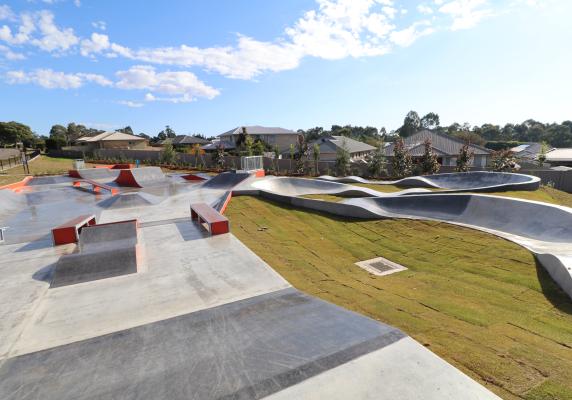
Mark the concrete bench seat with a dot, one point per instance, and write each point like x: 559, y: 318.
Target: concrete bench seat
x: 69, y: 231
x: 216, y: 222
x: 95, y: 186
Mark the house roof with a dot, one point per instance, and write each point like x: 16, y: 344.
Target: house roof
x: 528, y: 150
x: 110, y: 136
x: 440, y: 142
x: 559, y: 155
x: 330, y: 144
x: 258, y: 130
x: 214, y: 145
x: 185, y: 139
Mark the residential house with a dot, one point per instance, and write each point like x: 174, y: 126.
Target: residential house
x: 446, y: 148
x: 329, y: 148
x: 280, y: 137
x: 111, y: 140
x: 185, y: 141
x: 527, y: 153
x: 560, y: 157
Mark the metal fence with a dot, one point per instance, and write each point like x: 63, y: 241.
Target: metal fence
x: 251, y: 163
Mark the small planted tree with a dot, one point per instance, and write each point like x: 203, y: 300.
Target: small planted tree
x: 402, y: 163
x: 292, y: 153
x: 259, y: 148
x: 504, y: 161
x: 195, y: 151
x: 376, y: 161
x: 316, y: 157
x: 464, y: 158
x: 249, y: 145
x: 301, y: 154
x: 342, y: 159
x: 429, y: 164
x: 218, y: 156
x: 541, y: 159
x: 168, y: 155
x: 276, y: 158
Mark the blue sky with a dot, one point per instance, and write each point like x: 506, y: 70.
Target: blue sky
x: 207, y: 66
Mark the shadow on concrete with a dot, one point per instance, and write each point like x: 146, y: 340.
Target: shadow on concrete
x: 45, y: 274
x: 190, y: 230
x: 42, y: 243
x: 551, y: 290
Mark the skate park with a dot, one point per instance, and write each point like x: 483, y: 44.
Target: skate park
x: 145, y: 302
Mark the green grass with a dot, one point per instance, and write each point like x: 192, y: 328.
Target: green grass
x: 478, y: 301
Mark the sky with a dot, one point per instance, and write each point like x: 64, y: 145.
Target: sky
x: 206, y: 66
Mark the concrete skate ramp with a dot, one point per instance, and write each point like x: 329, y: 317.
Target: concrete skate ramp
x: 11, y: 202
x: 477, y: 181
x: 246, y: 349
x: 105, y: 251
x: 140, y: 177
x: 95, y: 173
x: 225, y: 181
x: 302, y: 187
x: 129, y: 200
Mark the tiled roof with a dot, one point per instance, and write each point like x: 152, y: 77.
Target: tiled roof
x: 258, y: 130
x: 559, y: 155
x: 443, y: 143
x: 110, y: 136
x: 331, y: 143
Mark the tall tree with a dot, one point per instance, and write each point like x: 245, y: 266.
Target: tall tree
x: 430, y: 121
x: 13, y: 132
x: 402, y: 162
x: 464, y: 158
x: 127, y: 130
x: 411, y: 124
x: 376, y: 161
x: 316, y: 157
x: 429, y: 164
x: 342, y: 159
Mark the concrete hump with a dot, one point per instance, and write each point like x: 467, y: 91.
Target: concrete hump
x: 105, y: 251
x: 140, y: 177
x: 95, y: 173
x: 226, y: 180
x: 129, y: 200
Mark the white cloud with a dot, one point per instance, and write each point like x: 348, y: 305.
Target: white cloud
x: 424, y: 9
x: 465, y: 13
x: 407, y: 36
x: 77, y: 3
x: 6, y: 13
x: 101, y: 25
x: 11, y: 55
x: 178, y: 85
x: 129, y: 103
x: 96, y: 44
x: 50, y: 79
x: 23, y: 35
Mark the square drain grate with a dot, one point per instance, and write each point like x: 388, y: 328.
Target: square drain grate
x: 380, y: 266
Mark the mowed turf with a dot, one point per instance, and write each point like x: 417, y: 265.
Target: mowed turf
x: 478, y: 301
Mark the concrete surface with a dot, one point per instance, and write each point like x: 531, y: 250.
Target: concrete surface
x: 477, y: 181
x: 204, y: 317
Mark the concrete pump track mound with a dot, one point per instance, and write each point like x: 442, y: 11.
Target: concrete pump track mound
x: 458, y: 182
x: 195, y: 316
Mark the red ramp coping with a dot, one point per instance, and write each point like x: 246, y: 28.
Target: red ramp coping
x: 216, y: 222
x: 17, y: 185
x: 193, y: 177
x: 69, y: 231
x: 140, y: 177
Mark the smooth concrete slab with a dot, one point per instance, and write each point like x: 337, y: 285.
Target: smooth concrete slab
x: 186, y: 271
x: 404, y: 370
x: 246, y: 349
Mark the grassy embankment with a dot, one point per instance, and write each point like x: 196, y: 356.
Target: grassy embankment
x: 480, y: 302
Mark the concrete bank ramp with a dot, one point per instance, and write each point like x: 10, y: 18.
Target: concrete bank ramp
x: 140, y: 177
x: 105, y: 251
x: 96, y: 173
x: 225, y: 181
x: 129, y: 200
x: 478, y: 181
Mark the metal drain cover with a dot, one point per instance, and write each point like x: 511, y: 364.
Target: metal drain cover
x: 380, y: 266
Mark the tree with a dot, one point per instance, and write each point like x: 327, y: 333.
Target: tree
x: 503, y: 161
x: 464, y: 158
x: 301, y: 154
x: 402, y: 162
x: 166, y: 133
x: 541, y: 159
x: 196, y: 151
x: 430, y: 121
x: 248, y: 145
x: 376, y: 161
x: 14, y: 132
x: 144, y: 136
x: 411, y: 124
x: 342, y: 159
x: 168, y: 155
x: 429, y: 164
x: 259, y: 148
x: 316, y: 157
x: 292, y: 153
x: 127, y: 130
x: 276, y: 158
x: 218, y: 156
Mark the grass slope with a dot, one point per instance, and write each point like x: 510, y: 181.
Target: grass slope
x: 476, y: 300
x: 42, y: 165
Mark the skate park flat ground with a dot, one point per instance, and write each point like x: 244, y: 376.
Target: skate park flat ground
x: 236, y: 304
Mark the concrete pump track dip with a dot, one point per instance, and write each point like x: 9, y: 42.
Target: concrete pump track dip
x: 147, y: 305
